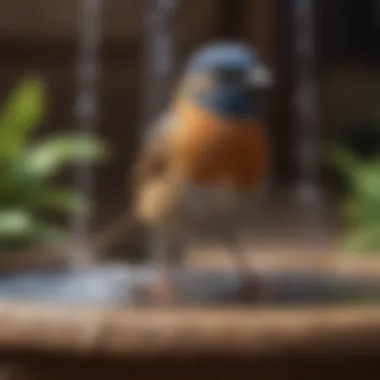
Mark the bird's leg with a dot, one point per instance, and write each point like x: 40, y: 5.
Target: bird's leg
x: 250, y: 280
x: 167, y: 252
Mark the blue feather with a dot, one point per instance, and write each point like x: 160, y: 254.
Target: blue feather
x: 225, y: 98
x: 223, y: 55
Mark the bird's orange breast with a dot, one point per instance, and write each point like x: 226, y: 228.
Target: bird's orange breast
x: 208, y: 149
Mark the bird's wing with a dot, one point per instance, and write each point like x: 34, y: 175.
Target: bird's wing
x: 155, y: 183
x: 150, y: 163
x: 153, y: 157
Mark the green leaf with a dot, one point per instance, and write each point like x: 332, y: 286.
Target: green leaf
x: 65, y: 201
x: 22, y: 112
x: 352, y: 209
x: 53, y: 154
x: 27, y: 188
x: 17, y: 186
x: 368, y: 181
x: 344, y: 160
x: 365, y: 239
x: 362, y: 206
x: 48, y: 233
x: 15, y: 224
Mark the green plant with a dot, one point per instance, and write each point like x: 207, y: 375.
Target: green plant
x: 361, y: 206
x: 29, y: 194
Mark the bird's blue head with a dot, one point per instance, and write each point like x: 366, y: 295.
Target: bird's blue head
x: 227, y: 78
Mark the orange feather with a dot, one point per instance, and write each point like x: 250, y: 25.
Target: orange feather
x: 207, y: 149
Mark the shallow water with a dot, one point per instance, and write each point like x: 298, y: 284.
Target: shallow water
x: 117, y: 285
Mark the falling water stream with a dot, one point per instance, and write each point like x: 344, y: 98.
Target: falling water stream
x: 86, y: 112
x: 159, y: 56
x: 158, y: 72
x: 308, y: 189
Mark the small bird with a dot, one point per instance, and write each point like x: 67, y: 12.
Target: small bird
x: 205, y: 160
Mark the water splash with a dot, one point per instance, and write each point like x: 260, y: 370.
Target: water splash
x: 308, y: 190
x: 86, y: 111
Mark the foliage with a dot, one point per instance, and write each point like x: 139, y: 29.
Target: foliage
x: 361, y: 206
x: 29, y: 194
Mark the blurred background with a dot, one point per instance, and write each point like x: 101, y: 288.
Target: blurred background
x: 326, y: 92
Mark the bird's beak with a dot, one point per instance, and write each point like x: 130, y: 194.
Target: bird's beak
x: 261, y: 78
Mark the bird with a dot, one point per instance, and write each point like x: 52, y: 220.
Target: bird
x: 205, y: 161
